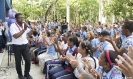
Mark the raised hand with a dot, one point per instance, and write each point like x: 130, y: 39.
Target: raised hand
x: 97, y: 75
x: 56, y: 41
x: 87, y: 64
x: 25, y: 25
x: 130, y: 52
x: 71, y: 57
x: 110, y: 39
x: 118, y: 35
x: 62, y: 58
x: 73, y: 60
x: 126, y: 66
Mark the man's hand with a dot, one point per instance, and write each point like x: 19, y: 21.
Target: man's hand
x: 25, y: 25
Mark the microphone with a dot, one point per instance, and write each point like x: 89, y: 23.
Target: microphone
x: 23, y: 21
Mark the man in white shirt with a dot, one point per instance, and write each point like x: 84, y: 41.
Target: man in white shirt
x: 19, y: 32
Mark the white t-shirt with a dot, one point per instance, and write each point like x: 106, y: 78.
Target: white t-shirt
x: 103, y: 20
x: 23, y: 38
x: 79, y: 56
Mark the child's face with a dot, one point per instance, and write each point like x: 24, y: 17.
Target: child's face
x: 57, y: 31
x: 101, y: 38
x: 52, y: 30
x: 88, y: 35
x: 124, y: 31
x: 102, y: 60
x: 44, y: 34
x: 31, y: 39
x: 81, y: 50
x: 52, y: 36
x: 69, y: 43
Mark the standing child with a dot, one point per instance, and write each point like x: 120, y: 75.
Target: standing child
x: 84, y: 29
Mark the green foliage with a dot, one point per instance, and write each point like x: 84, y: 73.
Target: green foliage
x: 29, y: 10
x: 80, y: 10
x: 120, y: 8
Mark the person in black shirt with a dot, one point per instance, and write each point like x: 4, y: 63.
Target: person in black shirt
x: 64, y: 26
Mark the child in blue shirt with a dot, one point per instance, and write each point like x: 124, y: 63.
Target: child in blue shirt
x: 84, y: 28
x: 100, y: 43
x: 107, y: 69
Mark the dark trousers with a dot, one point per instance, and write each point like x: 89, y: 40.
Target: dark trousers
x: 55, y: 61
x: 57, y: 72
x: 64, y: 30
x: 19, y: 52
x: 69, y: 76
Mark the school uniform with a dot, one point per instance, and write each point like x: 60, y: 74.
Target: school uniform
x: 32, y: 45
x: 107, y: 29
x: 55, y: 62
x: 95, y: 43
x: 50, y: 25
x: 99, y: 30
x: 79, y: 32
x: 84, y: 35
x: 90, y: 27
x: 42, y: 48
x: 49, y: 55
x: 112, y: 32
x: 76, y: 73
x: 127, y: 42
x: 65, y: 69
x: 56, y: 24
x: 112, y: 74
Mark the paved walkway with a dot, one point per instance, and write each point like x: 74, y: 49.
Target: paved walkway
x: 10, y: 73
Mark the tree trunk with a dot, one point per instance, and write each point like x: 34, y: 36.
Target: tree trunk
x: 79, y: 17
x: 49, y: 8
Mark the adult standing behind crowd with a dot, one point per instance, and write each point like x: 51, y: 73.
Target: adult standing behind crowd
x: 64, y: 26
x: 19, y: 33
x: 11, y: 15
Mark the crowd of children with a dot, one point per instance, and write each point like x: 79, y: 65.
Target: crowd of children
x: 82, y: 51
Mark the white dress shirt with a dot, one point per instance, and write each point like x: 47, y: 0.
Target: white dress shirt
x: 23, y: 38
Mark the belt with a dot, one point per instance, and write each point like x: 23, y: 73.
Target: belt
x: 19, y: 45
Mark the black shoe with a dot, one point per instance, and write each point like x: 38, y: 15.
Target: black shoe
x: 28, y: 76
x: 21, y: 77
